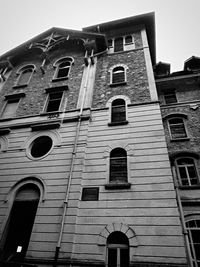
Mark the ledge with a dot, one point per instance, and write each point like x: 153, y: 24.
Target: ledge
x: 189, y: 187
x: 180, y: 139
x: 117, y: 186
x: 4, y: 131
x: 20, y: 86
x: 59, y: 79
x: 117, y: 84
x: 57, y: 89
x: 117, y: 123
x: 14, y: 96
x: 45, y: 126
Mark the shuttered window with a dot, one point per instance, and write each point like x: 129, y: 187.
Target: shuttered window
x: 118, y: 165
x: 118, y: 44
x: 177, y: 128
x: 24, y: 75
x: 170, y: 97
x: 118, y: 75
x: 118, y: 113
x: 10, y: 108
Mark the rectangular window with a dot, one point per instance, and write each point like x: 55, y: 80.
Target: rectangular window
x: 10, y: 108
x: 90, y: 194
x: 170, y: 96
x: 54, y: 101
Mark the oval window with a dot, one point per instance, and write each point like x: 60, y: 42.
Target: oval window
x: 41, y: 146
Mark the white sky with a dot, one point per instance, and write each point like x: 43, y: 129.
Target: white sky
x: 177, y: 22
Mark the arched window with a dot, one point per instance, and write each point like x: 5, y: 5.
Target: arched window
x: 24, y: 75
x: 177, y: 128
x: 193, y: 228
x: 118, y: 75
x: 118, y: 111
x: 117, y: 250
x: 118, y: 166
x: 186, y: 170
x: 63, y: 67
x: 20, y: 223
x: 118, y: 44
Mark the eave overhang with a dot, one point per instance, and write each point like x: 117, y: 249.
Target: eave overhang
x: 148, y: 20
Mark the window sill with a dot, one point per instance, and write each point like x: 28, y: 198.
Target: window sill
x: 117, y: 84
x: 20, y: 86
x: 189, y: 187
x: 53, y: 114
x: 59, y: 79
x: 117, y: 186
x: 180, y: 139
x: 117, y: 123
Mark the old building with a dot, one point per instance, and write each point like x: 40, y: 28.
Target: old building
x: 179, y: 96
x: 85, y: 174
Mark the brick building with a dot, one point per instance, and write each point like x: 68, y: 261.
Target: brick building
x: 88, y: 174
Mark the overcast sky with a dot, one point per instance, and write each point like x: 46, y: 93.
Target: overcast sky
x: 177, y: 22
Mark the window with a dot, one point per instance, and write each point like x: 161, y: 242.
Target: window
x: 90, y: 194
x: 19, y: 226
x: 24, y: 75
x: 63, y: 67
x: 193, y: 228
x: 118, y: 111
x: 10, y: 108
x: 117, y: 250
x: 11, y: 105
x: 187, y: 172
x: 118, y: 44
x: 177, y: 128
x: 170, y: 96
x: 118, y: 75
x: 54, y: 101
x: 118, y: 166
x: 41, y: 146
x: 122, y: 43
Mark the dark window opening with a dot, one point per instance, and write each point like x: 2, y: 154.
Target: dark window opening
x: 63, y: 69
x: 54, y: 102
x: 41, y: 146
x: 187, y: 171
x: 170, y: 97
x: 118, y: 75
x: 118, y: 113
x: 20, y: 223
x: 177, y: 128
x: 90, y: 194
x: 118, y: 250
x: 110, y: 43
x: 118, y: 44
x: 118, y: 166
x: 128, y: 39
x: 193, y: 228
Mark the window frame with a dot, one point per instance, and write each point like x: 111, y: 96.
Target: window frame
x: 84, y: 196
x: 20, y: 72
x: 191, y: 243
x: 10, y: 98
x: 166, y: 93
x: 125, y: 46
x: 186, y: 171
x: 56, y: 66
x: 184, y: 126
x: 111, y: 70
x: 119, y: 122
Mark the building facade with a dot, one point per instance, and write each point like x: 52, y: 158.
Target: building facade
x: 96, y: 162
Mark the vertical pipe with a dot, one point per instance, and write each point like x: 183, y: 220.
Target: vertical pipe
x: 65, y: 204
x: 185, y: 233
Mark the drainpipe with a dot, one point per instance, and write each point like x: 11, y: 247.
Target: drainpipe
x: 185, y: 233
x: 65, y: 204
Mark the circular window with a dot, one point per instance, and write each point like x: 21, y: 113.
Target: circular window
x: 41, y: 146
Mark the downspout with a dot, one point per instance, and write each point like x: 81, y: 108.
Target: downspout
x: 185, y: 233
x: 65, y: 204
